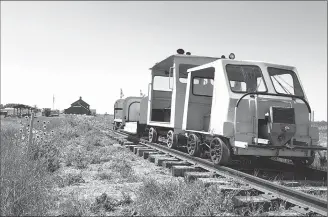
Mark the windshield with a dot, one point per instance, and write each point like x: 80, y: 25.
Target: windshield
x: 245, y: 78
x: 285, y: 81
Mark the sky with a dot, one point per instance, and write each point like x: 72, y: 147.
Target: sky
x: 92, y: 49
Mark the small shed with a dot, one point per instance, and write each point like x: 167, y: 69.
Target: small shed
x: 19, y: 109
x: 78, y: 107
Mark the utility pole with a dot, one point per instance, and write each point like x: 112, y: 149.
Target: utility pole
x: 121, y: 94
x: 53, y: 101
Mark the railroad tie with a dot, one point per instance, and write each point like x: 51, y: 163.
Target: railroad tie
x: 169, y: 164
x: 152, y: 157
x: 133, y: 146
x: 191, y: 176
x: 213, y: 181
x: 140, y: 151
x: 256, y: 201
x: 178, y: 171
x: 127, y: 143
x: 159, y: 160
x: 136, y: 148
x: 147, y: 153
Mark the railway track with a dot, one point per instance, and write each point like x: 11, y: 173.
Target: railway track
x: 182, y: 164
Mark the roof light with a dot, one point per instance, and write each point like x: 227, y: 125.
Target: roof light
x: 232, y: 56
x: 180, y: 51
x: 188, y: 53
x: 222, y: 57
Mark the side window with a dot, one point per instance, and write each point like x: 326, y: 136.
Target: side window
x: 245, y: 78
x: 260, y: 85
x: 183, y: 74
x: 238, y: 86
x: 202, y: 86
x: 183, y: 80
x: 161, y: 83
x: 285, y: 81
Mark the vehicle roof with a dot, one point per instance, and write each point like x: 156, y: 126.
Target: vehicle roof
x: 240, y: 62
x: 171, y: 58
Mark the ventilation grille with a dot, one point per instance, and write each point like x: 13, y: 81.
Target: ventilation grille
x: 283, y: 115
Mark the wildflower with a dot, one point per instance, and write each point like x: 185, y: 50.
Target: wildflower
x: 28, y: 125
x: 44, y: 133
x: 44, y: 127
x: 44, y: 122
x: 38, y: 121
x: 37, y: 136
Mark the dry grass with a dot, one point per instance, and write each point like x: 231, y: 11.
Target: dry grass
x: 61, y: 163
x: 25, y: 177
x: 181, y: 199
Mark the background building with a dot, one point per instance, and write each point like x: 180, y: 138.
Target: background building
x: 79, y: 107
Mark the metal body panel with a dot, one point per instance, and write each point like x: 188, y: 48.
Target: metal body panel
x: 118, y: 110
x: 250, y: 110
x: 143, y: 110
x: 173, y: 100
x: 131, y: 109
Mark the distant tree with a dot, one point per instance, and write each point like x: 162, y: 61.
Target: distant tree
x: 1, y: 106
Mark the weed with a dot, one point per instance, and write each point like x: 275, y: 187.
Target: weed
x: 104, y: 202
x: 104, y: 176
x: 74, y: 179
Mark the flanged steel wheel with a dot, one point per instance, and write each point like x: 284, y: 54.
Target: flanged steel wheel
x: 306, y: 161
x: 114, y: 126
x: 152, y: 135
x: 220, y: 153
x: 193, y: 145
x: 171, y: 141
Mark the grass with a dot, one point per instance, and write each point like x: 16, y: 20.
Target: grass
x: 29, y: 180
x: 181, y: 198
x: 25, y: 178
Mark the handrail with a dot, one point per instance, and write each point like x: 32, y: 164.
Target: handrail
x: 272, y: 94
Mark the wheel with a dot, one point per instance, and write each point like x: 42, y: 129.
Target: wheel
x: 304, y: 161
x: 152, y: 135
x: 193, y: 145
x: 219, y: 151
x: 171, y: 139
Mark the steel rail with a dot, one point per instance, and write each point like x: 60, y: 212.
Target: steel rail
x: 299, y: 198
